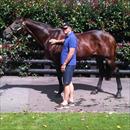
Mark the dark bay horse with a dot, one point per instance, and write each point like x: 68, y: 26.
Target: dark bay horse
x: 95, y: 43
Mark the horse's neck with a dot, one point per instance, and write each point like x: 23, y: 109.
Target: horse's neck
x: 38, y: 32
x: 53, y: 50
x: 43, y: 34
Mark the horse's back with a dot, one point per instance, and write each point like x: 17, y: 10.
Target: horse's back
x: 95, y: 35
x: 95, y: 42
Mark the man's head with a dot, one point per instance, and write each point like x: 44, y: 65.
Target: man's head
x: 66, y: 28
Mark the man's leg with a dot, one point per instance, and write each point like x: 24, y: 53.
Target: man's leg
x: 68, y: 88
x: 71, y: 95
x: 64, y: 103
x: 66, y: 94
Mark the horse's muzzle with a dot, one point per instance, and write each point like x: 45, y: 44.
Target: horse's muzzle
x: 7, y: 35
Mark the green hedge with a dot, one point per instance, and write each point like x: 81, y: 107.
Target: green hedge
x: 114, y: 18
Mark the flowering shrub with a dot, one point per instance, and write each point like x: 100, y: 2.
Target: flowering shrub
x: 123, y: 51
x: 114, y: 18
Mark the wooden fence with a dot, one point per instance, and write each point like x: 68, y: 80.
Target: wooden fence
x: 89, y: 68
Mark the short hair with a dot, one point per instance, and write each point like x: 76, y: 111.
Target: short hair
x: 65, y: 25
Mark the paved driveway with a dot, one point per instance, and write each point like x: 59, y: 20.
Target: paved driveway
x: 37, y: 94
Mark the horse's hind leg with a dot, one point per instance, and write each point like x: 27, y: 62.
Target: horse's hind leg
x: 109, y: 69
x: 119, y: 86
x: 98, y: 88
x: 101, y: 74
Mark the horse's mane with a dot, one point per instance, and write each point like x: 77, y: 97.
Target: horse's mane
x: 40, y: 24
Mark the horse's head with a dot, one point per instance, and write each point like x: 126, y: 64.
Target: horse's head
x: 13, y: 28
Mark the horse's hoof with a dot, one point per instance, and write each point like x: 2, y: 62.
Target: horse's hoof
x: 118, y: 95
x: 94, y: 91
x: 58, y: 95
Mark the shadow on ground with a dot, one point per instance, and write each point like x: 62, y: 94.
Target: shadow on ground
x: 50, y: 90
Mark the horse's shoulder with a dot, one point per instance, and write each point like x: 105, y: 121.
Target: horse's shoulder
x: 56, y: 31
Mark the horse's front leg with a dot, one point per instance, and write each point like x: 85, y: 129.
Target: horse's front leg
x: 59, y: 76
x: 98, y: 88
x: 61, y: 88
x: 119, y: 86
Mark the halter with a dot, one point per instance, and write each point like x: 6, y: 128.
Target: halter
x: 17, y: 40
x: 12, y: 31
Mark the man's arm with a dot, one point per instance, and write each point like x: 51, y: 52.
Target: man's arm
x: 54, y: 41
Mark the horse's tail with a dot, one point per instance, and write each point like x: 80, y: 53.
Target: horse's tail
x: 100, y: 65
x: 109, y: 68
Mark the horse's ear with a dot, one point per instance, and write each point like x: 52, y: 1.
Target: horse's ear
x: 20, y: 18
x: 23, y: 18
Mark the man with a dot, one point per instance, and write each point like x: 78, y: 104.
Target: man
x: 68, y: 64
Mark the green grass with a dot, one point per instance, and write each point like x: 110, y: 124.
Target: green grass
x: 64, y: 121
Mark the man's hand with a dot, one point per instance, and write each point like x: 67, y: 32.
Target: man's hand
x: 63, y: 67
x: 53, y: 41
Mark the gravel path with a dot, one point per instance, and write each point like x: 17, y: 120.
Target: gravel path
x: 37, y: 94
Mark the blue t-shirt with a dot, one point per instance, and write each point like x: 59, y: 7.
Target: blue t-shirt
x: 70, y: 42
